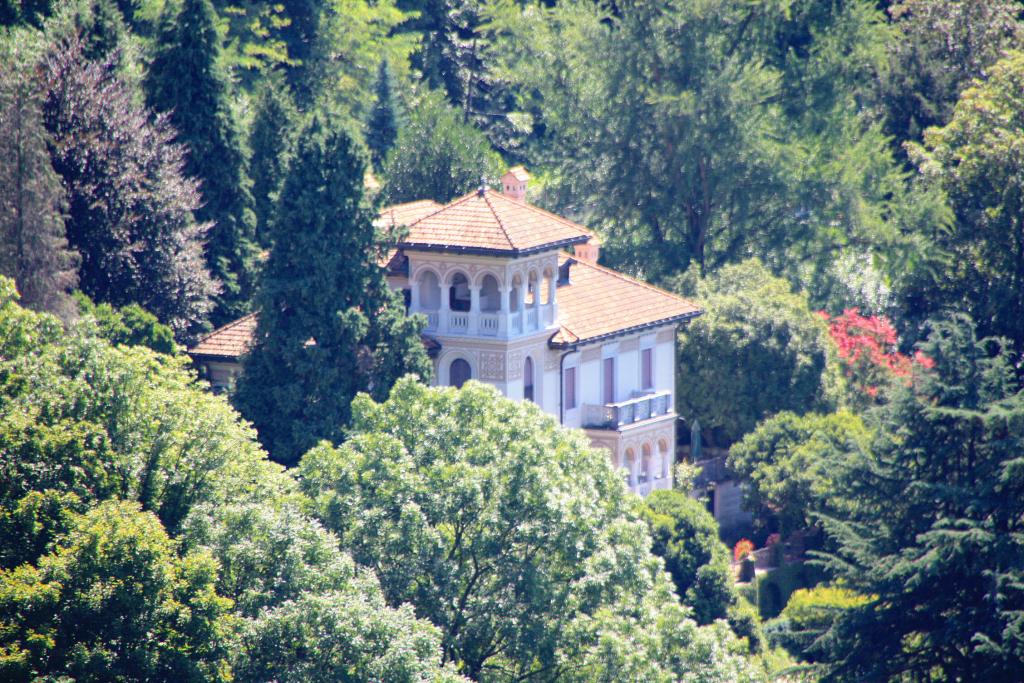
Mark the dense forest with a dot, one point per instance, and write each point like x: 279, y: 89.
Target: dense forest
x: 839, y: 184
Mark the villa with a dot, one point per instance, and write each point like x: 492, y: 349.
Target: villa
x: 514, y: 297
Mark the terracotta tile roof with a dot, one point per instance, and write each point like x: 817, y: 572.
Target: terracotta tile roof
x: 232, y: 341
x: 408, y: 213
x: 599, y: 302
x: 228, y: 342
x: 488, y: 222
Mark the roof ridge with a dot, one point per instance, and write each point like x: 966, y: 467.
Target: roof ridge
x: 500, y: 224
x: 225, y: 326
x: 627, y: 278
x: 440, y: 208
x: 549, y: 214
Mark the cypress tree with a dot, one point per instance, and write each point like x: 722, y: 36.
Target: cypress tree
x: 382, y: 129
x: 270, y: 139
x: 33, y: 247
x: 186, y: 79
x: 329, y: 326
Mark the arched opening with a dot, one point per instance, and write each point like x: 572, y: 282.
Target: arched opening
x: 514, y: 293
x: 528, y: 379
x: 458, y: 373
x: 632, y: 464
x: 666, y: 459
x: 531, y: 289
x: 646, y: 473
x: 459, y: 298
x: 490, y: 295
x: 430, y: 292
x: 546, y: 289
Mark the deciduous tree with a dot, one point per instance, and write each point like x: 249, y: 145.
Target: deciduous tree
x: 511, y: 535
x: 436, y: 155
x: 757, y: 350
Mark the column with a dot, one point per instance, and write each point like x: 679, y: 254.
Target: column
x: 474, y: 310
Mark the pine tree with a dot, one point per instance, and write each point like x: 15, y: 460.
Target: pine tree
x: 382, y: 128
x: 186, y: 79
x: 130, y: 207
x: 929, y: 524
x: 270, y: 139
x: 329, y: 326
x: 33, y: 247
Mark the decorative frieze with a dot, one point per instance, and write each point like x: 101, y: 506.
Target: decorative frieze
x: 492, y: 365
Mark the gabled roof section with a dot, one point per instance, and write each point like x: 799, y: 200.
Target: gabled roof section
x: 232, y: 341
x: 488, y: 222
x: 599, y: 303
x: 228, y: 342
x: 407, y: 213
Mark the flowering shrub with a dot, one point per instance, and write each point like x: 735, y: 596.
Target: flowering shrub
x: 868, y: 351
x: 743, y: 548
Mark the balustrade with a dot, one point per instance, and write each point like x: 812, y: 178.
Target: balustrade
x: 615, y: 415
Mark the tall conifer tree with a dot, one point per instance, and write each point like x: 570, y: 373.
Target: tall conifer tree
x: 382, y: 128
x: 187, y: 80
x: 270, y: 139
x: 33, y: 247
x: 329, y: 326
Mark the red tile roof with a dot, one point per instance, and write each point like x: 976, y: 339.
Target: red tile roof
x: 228, y: 342
x: 488, y: 222
x: 519, y: 173
x: 599, y: 302
x: 409, y: 212
x: 234, y: 339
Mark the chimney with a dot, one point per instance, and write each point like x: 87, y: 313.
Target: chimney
x: 589, y: 252
x: 514, y: 183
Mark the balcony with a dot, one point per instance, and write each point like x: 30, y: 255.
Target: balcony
x: 624, y: 413
x: 488, y: 323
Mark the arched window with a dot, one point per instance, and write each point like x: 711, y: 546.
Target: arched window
x: 646, y: 473
x: 666, y: 459
x: 528, y: 379
x: 490, y: 295
x: 632, y: 465
x: 458, y: 373
x: 458, y: 293
x: 430, y: 292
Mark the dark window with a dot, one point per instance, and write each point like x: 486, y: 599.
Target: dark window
x: 458, y: 373
x: 458, y: 294
x: 647, y: 368
x: 528, y: 379
x: 570, y: 388
x: 609, y: 380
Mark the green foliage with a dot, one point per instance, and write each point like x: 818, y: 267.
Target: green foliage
x: 685, y: 535
x: 705, y: 132
x: 130, y: 207
x: 33, y: 246
x: 436, y: 155
x: 974, y: 160
x: 114, y: 601
x: 938, y: 49
x: 80, y: 417
x: 382, y: 127
x: 775, y: 587
x: 786, y: 466
x: 83, y: 422
x: 511, y: 535
x: 809, y: 614
x: 339, y: 55
x: 271, y: 139
x: 131, y: 325
x: 757, y: 350
x: 186, y: 79
x: 929, y: 524
x: 329, y: 326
